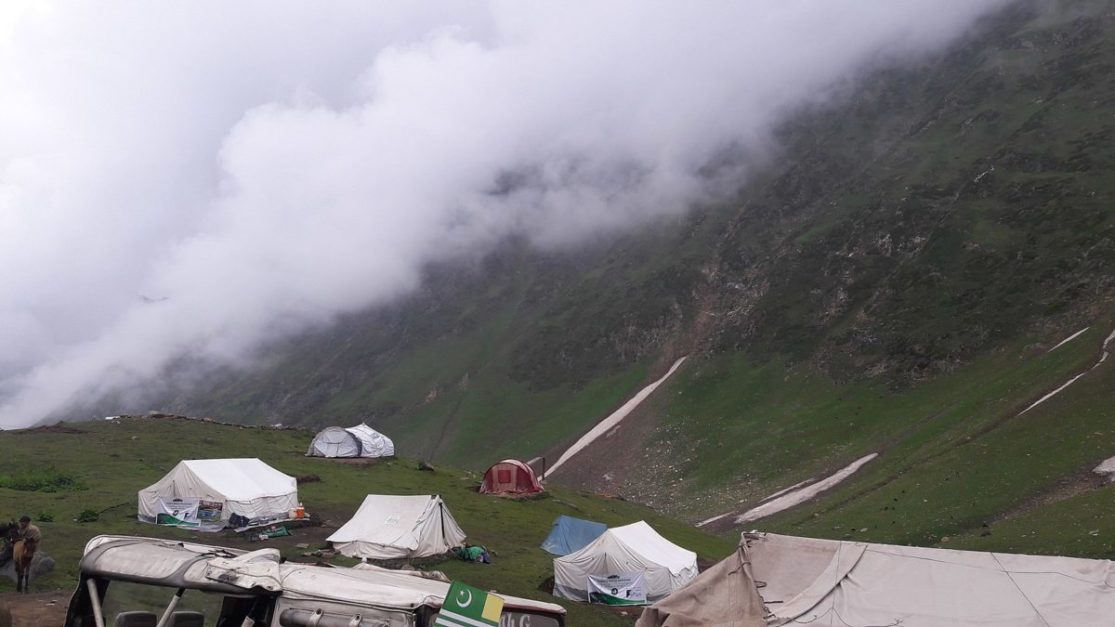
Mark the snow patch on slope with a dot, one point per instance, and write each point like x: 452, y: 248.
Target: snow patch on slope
x: 612, y: 420
x: 796, y: 497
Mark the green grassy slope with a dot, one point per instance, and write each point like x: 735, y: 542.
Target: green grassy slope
x: 991, y: 478
x: 111, y: 461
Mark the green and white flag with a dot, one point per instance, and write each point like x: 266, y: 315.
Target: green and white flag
x: 466, y: 606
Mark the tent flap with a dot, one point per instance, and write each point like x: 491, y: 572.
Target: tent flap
x: 724, y: 595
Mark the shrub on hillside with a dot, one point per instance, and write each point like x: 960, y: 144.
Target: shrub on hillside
x: 87, y: 515
x: 43, y: 481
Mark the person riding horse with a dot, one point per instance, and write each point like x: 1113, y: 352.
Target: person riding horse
x: 30, y: 535
x: 25, y: 541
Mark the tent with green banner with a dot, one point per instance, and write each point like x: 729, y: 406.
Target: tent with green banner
x: 629, y: 565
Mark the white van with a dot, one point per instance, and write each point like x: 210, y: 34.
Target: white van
x: 147, y: 582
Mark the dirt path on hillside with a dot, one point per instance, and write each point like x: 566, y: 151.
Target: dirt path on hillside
x: 35, y: 610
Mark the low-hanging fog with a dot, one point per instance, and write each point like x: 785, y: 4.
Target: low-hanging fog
x: 196, y: 178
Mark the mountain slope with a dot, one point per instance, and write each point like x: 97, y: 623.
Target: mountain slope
x: 887, y: 282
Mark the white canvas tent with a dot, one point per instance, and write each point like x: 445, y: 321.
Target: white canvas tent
x: 832, y: 583
x: 634, y: 548
x: 390, y: 527
x: 358, y: 441
x: 206, y: 493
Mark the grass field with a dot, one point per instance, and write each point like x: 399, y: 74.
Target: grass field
x: 68, y: 469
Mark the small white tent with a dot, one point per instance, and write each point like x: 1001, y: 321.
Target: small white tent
x: 389, y: 527
x: 206, y: 493
x: 629, y: 550
x: 358, y: 441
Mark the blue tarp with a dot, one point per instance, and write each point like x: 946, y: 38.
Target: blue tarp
x: 570, y: 534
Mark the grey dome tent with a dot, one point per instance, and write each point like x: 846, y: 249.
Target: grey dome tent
x: 358, y: 441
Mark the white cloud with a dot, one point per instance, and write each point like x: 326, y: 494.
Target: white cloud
x: 254, y: 168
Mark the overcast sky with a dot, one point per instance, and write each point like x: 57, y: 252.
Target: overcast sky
x: 198, y: 177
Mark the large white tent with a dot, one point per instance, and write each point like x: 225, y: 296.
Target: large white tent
x: 631, y: 549
x: 835, y: 583
x: 391, y: 527
x: 358, y: 441
x: 206, y: 493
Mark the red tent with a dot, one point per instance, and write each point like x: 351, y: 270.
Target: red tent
x: 510, y: 476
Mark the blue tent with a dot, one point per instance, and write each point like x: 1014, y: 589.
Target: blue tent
x: 572, y: 534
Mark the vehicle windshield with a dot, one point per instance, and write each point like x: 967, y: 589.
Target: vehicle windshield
x: 127, y: 604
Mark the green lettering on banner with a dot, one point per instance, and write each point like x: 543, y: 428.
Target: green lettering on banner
x: 466, y: 606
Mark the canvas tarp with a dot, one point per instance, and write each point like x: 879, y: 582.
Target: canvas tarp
x: 724, y: 595
x: 390, y: 527
x: 358, y: 441
x: 832, y: 583
x: 632, y: 548
x: 571, y: 534
x: 247, y: 487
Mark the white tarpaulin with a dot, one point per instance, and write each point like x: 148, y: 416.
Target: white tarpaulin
x: 390, y: 527
x: 246, y: 487
x: 358, y: 441
x: 637, y: 547
x: 833, y: 583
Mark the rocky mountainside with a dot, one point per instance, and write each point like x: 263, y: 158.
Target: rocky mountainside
x: 888, y: 281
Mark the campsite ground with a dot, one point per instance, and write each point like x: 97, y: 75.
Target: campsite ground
x: 32, y: 610
x: 73, y: 472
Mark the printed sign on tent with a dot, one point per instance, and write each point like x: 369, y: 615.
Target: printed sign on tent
x: 210, y: 511
x: 466, y: 606
x: 618, y: 589
x: 180, y: 512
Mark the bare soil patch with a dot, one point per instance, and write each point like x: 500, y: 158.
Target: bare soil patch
x: 35, y: 610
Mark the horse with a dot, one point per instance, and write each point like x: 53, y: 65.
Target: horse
x: 21, y: 556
